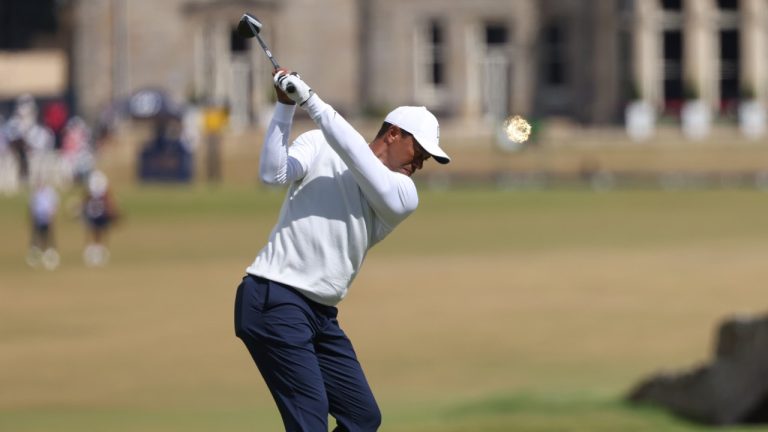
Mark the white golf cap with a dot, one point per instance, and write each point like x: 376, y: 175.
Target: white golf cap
x: 422, y: 124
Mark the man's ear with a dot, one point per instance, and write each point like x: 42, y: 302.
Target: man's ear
x: 392, y: 133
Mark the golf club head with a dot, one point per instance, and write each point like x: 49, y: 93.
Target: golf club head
x: 248, y: 26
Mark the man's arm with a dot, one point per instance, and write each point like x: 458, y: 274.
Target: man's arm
x: 277, y: 165
x: 392, y: 195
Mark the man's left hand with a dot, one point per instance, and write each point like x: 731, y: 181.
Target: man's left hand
x: 300, y: 90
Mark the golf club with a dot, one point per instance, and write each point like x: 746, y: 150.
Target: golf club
x: 250, y: 27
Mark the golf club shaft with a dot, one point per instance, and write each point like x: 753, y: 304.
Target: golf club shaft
x: 268, y: 52
x: 289, y: 88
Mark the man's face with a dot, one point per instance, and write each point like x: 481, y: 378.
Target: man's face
x: 404, y: 154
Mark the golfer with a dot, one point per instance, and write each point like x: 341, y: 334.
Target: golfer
x: 344, y: 196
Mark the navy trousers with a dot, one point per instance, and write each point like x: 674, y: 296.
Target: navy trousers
x: 304, y: 357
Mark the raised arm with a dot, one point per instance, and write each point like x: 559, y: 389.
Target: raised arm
x: 392, y: 195
x: 280, y: 164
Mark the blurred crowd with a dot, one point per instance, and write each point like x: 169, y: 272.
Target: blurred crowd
x: 43, y: 147
x: 46, y: 153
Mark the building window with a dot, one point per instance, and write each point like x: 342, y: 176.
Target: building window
x: 732, y: 5
x: 674, y: 87
x: 495, y: 35
x: 437, y: 60
x: 554, y: 54
x: 730, y: 54
x: 673, y: 68
x: 430, y: 62
x: 672, y: 5
x: 237, y: 44
x: 729, y: 64
x: 628, y: 88
x: 496, y: 71
x: 430, y: 54
x: 24, y: 21
x: 626, y: 6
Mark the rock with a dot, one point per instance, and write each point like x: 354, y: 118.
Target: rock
x: 732, y: 389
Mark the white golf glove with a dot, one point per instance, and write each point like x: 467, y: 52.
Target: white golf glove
x: 293, y: 86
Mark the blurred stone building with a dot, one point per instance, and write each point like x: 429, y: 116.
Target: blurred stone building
x: 471, y: 60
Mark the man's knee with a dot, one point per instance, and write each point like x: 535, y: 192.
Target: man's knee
x: 367, y: 420
x: 305, y: 414
x: 372, y: 419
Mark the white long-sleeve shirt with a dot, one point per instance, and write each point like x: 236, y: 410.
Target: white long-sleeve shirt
x: 342, y: 200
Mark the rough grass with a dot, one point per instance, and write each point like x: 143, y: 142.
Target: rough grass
x: 486, y: 311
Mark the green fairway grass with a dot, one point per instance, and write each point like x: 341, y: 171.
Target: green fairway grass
x: 487, y: 310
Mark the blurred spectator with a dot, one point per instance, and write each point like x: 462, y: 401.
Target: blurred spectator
x: 27, y: 138
x: 106, y: 124
x: 39, y: 139
x: 9, y: 180
x: 44, y: 203
x: 55, y: 114
x: 214, y: 122
x: 21, y: 121
x: 166, y: 157
x: 3, y: 140
x: 191, y: 125
x: 77, y: 148
x: 99, y: 212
